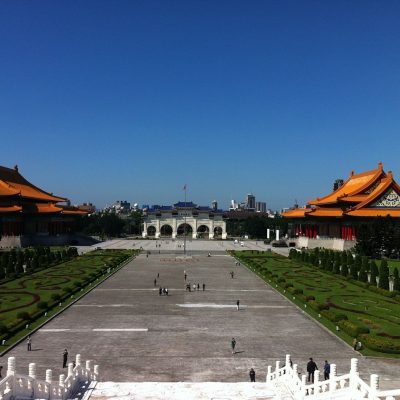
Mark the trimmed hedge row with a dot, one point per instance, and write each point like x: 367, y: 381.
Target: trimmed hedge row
x: 380, y: 343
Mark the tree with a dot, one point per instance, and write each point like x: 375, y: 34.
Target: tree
x: 363, y: 276
x: 374, y: 273
x: 384, y: 275
x: 396, y: 280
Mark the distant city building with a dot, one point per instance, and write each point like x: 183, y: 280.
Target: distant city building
x: 183, y: 219
x: 119, y: 207
x: 234, y: 205
x: 250, y: 202
x: 214, y: 205
x: 261, y: 206
x: 88, y: 207
x: 337, y: 184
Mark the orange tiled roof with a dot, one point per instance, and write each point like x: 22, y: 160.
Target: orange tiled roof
x: 8, y: 209
x: 73, y: 211
x: 295, y: 213
x: 374, y: 212
x: 326, y: 212
x: 355, y: 185
x: 13, y: 183
x: 41, y: 208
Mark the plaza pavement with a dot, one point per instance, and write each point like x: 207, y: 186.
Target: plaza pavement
x: 135, y: 335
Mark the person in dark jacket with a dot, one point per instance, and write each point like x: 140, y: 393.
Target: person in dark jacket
x: 327, y: 370
x: 65, y: 358
x: 311, y: 367
x: 252, y: 374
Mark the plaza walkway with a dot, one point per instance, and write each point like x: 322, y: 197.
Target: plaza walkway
x: 135, y: 335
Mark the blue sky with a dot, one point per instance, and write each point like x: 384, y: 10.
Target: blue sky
x: 129, y: 100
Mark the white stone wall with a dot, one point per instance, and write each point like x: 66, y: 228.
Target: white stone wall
x: 330, y: 244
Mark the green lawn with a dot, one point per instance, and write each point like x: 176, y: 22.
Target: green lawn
x: 361, y: 307
x: 61, y: 283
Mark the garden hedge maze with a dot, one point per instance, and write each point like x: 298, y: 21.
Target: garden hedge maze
x: 25, y: 299
x: 360, y: 309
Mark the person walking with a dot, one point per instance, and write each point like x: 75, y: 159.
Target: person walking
x: 233, y: 345
x: 29, y: 343
x: 1, y: 370
x: 311, y: 367
x: 159, y: 291
x: 237, y: 304
x: 355, y: 343
x: 198, y: 286
x: 204, y: 287
x: 158, y: 275
x: 252, y: 374
x: 166, y: 291
x: 65, y: 358
x: 185, y: 277
x: 155, y: 282
x: 327, y: 370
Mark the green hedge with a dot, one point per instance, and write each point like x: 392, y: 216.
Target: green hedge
x: 352, y: 329
x: 382, y: 344
x: 333, y: 316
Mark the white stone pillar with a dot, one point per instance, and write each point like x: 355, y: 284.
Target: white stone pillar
x: 174, y: 228
x: 70, y: 369
x: 49, y: 375
x: 332, y: 376
x: 277, y: 234
x: 224, y: 234
x: 144, y: 233
x: 32, y: 370
x: 78, y: 360
x: 158, y: 228
x: 269, y: 372
x: 268, y: 233
x: 61, y: 380
x: 211, y: 233
x: 11, y: 366
x: 96, y: 372
x: 374, y: 384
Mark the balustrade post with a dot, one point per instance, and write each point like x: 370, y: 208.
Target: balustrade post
x: 32, y: 370
x: 353, y: 374
x: 49, y: 375
x: 303, y: 389
x: 332, y: 376
x: 61, y: 380
x: 269, y: 372
x: 70, y: 369
x: 287, y: 363
x: 295, y: 370
x: 316, y: 382
x: 96, y: 372
x: 11, y: 365
x: 374, y: 384
x: 78, y: 360
x: 277, y: 364
x: 88, y: 368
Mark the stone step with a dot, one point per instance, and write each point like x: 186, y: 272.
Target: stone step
x: 184, y: 391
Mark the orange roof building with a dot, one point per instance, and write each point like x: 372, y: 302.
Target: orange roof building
x: 362, y: 196
x: 27, y: 211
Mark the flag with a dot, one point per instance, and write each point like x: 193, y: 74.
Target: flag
x: 184, y: 187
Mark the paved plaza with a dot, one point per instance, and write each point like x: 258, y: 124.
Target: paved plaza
x: 136, y: 335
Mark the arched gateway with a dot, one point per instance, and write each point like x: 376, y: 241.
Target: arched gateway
x: 184, y: 218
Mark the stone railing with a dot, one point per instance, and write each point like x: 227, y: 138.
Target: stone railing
x: 15, y: 385
x: 349, y: 386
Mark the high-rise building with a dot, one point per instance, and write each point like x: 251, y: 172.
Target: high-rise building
x: 261, y: 206
x: 214, y: 205
x: 337, y: 184
x: 250, y: 202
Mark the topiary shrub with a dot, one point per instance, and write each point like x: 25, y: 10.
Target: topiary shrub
x: 308, y: 298
x: 288, y: 285
x: 23, y: 315
x: 384, y: 275
x: 55, y: 297
x: 281, y: 280
x: 42, y: 305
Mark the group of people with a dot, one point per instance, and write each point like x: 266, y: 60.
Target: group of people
x: 162, y: 291
x: 65, y: 352
x: 312, y: 367
x: 194, y: 287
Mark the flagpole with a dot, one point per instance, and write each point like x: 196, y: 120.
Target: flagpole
x: 184, y: 234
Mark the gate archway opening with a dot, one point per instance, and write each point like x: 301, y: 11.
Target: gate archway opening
x: 151, y: 231
x: 218, y: 233
x: 166, y: 231
x: 184, y: 230
x: 203, y: 232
